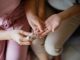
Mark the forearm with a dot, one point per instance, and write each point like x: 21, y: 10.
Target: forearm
x: 30, y: 8
x: 31, y: 11
x: 70, y: 12
x: 41, y: 9
x: 4, y: 35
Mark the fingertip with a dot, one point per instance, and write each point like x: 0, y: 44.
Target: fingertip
x: 40, y: 28
x: 52, y: 30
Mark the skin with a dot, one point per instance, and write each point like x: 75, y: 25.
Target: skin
x: 54, y: 20
x: 41, y: 9
x: 36, y: 15
x: 34, y: 19
x: 35, y: 23
x: 51, y: 22
x: 18, y: 36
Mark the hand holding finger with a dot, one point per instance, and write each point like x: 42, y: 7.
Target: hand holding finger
x: 45, y: 32
x: 23, y: 32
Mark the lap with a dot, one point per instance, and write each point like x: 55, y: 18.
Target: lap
x: 65, y: 30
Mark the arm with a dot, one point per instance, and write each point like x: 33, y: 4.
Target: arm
x: 41, y: 9
x: 18, y: 36
x: 4, y: 35
x: 54, y: 20
x: 74, y: 10
x: 30, y: 9
x: 31, y: 14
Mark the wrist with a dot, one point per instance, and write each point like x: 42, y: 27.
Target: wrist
x: 30, y: 16
x: 5, y: 35
x: 58, y: 17
x: 61, y: 15
x: 8, y: 35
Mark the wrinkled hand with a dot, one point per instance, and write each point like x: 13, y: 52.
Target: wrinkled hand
x: 36, y: 24
x: 51, y: 24
x: 20, y: 37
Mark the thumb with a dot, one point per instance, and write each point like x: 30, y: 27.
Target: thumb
x: 24, y: 32
x: 40, y: 28
x: 52, y: 29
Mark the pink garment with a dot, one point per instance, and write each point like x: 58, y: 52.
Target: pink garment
x: 7, y: 6
x: 16, y: 20
x: 2, y: 49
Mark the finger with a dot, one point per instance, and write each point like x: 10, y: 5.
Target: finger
x: 45, y: 33
x: 25, y: 43
x: 52, y: 30
x: 36, y: 30
x: 23, y: 32
x: 56, y: 27
x: 48, y: 26
x: 24, y: 40
x: 40, y: 28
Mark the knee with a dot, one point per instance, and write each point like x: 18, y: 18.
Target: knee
x: 51, y: 50
x: 51, y: 46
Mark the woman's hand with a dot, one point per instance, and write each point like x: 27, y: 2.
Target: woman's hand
x: 33, y: 17
x: 51, y: 24
x: 20, y: 37
x: 36, y: 24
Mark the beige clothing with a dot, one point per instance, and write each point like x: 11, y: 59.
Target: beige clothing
x: 55, y: 40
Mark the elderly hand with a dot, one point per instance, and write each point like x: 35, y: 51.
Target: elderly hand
x: 51, y: 24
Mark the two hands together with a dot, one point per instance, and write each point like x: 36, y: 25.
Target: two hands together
x: 39, y: 28
x: 42, y: 28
